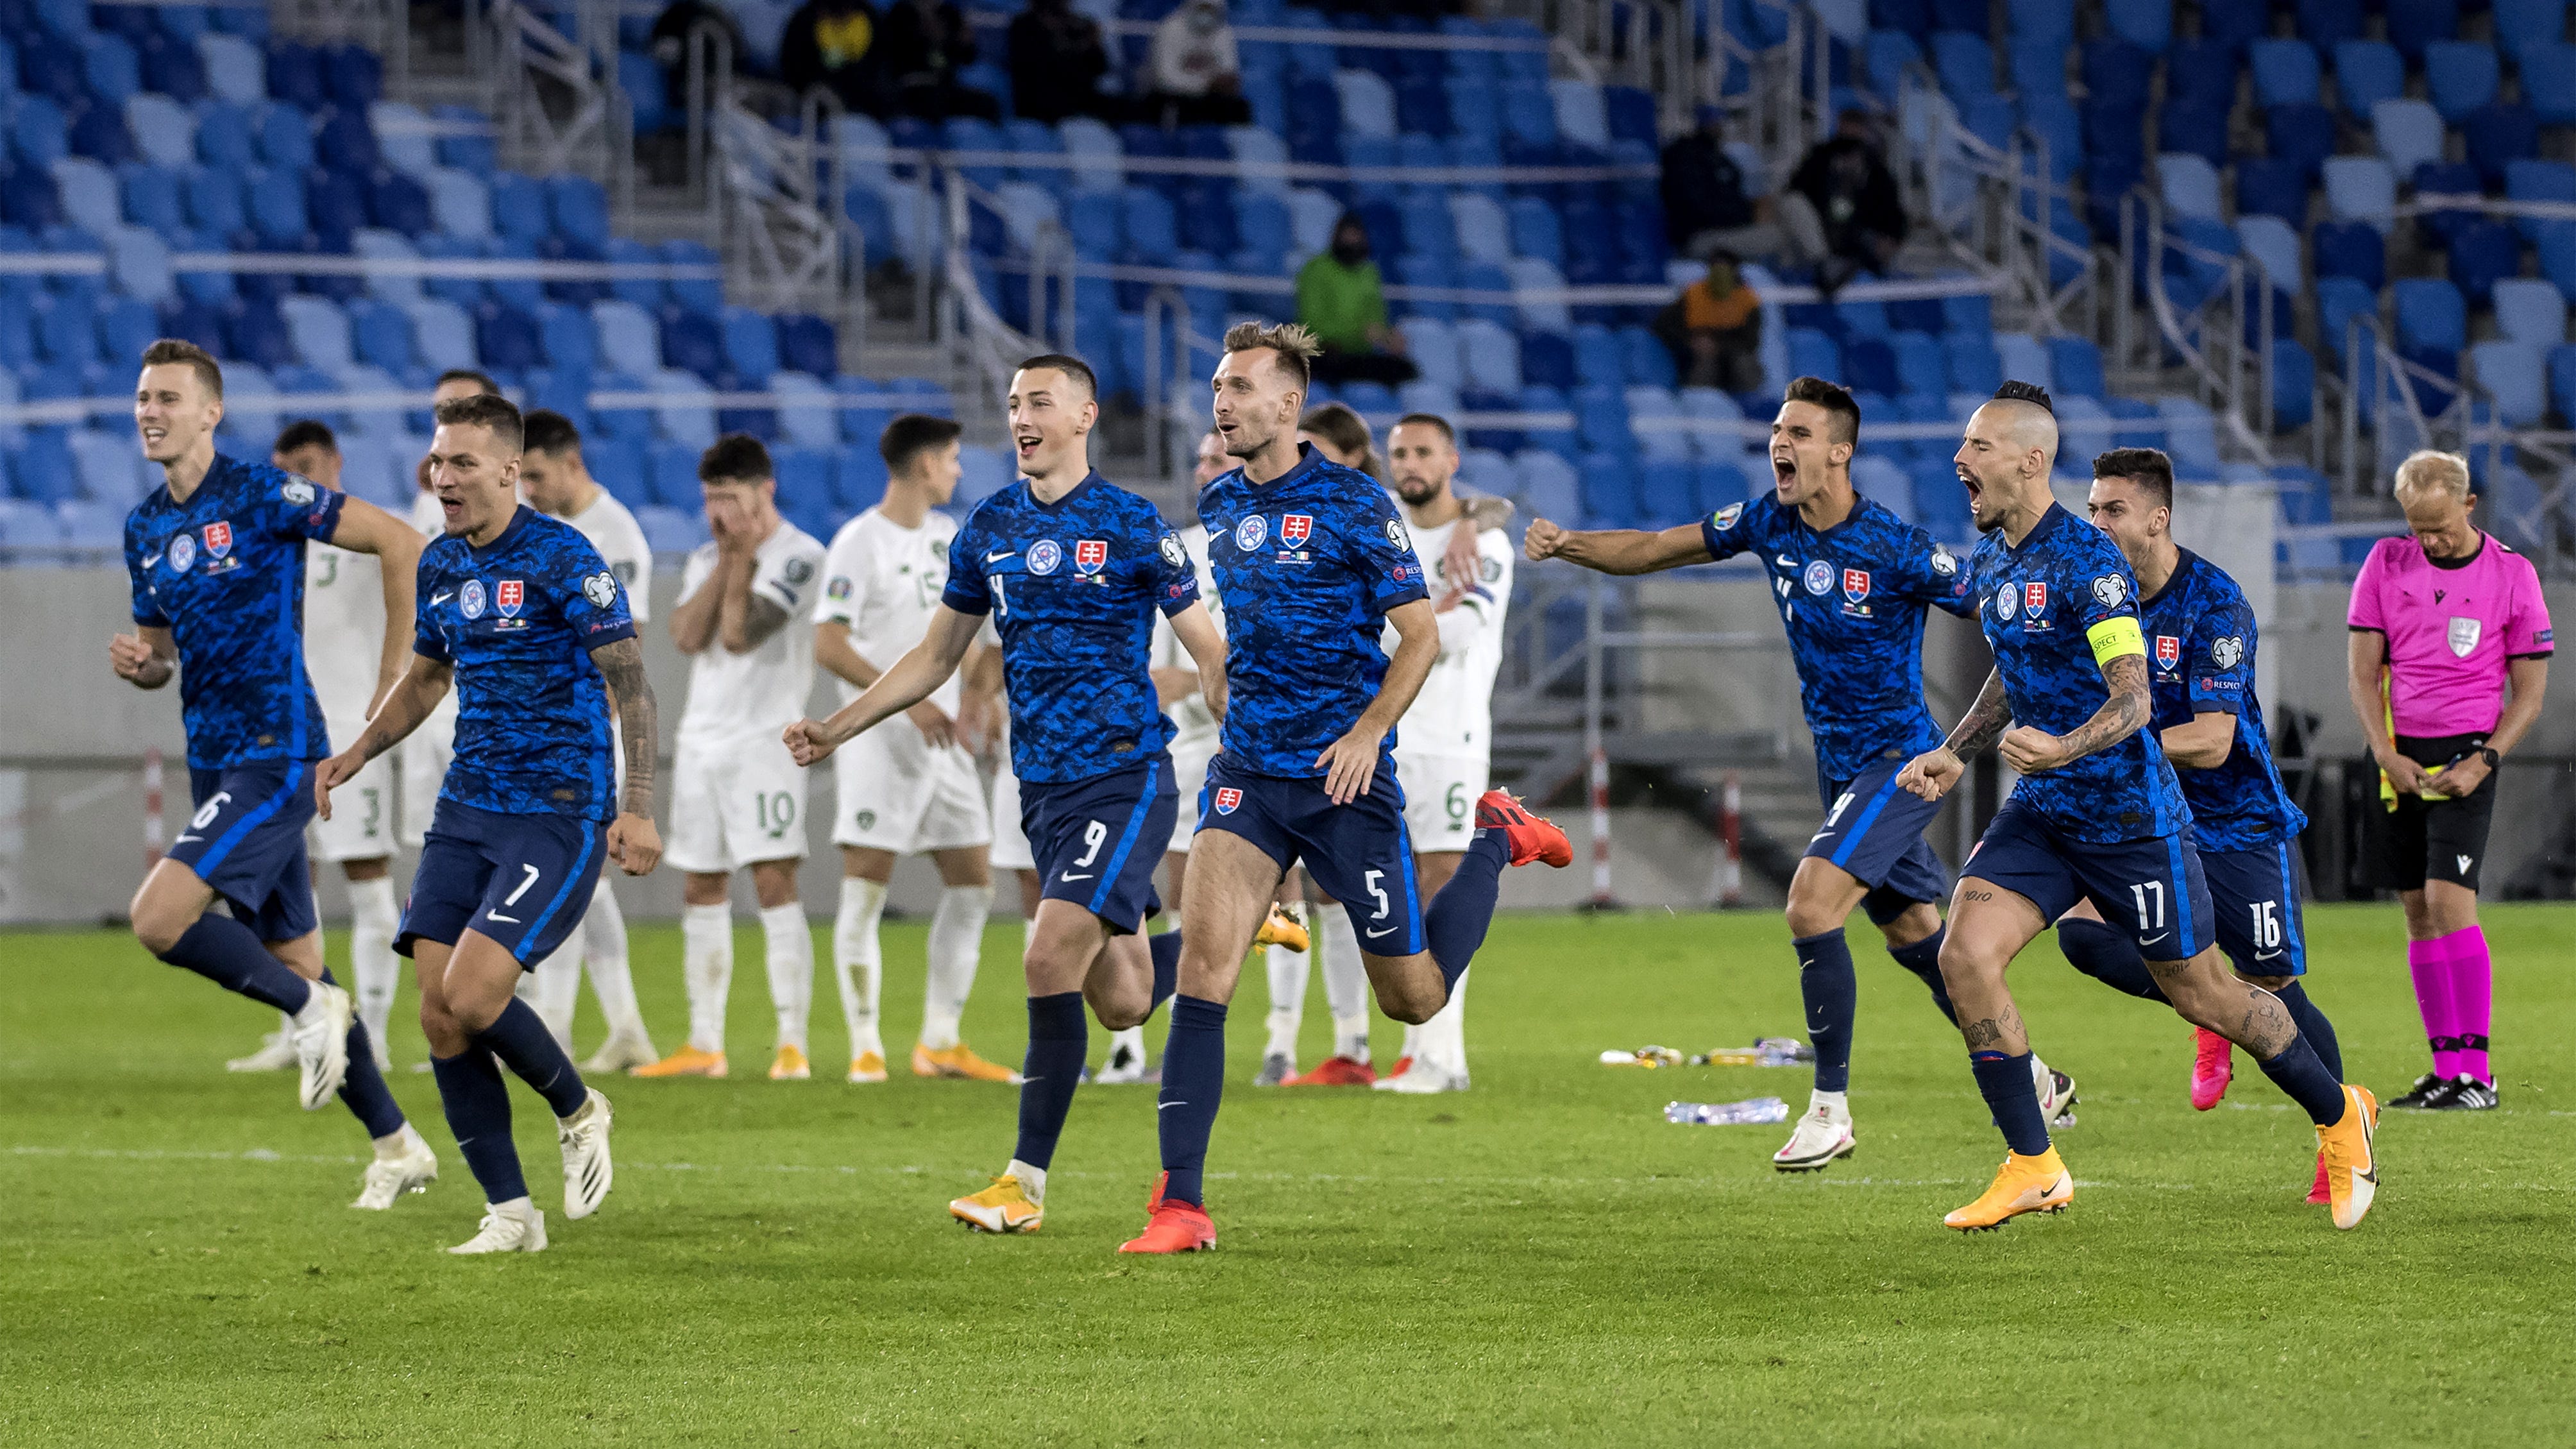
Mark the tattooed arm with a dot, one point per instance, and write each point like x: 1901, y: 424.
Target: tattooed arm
x: 633, y: 842
x: 2122, y: 715
x: 1933, y: 773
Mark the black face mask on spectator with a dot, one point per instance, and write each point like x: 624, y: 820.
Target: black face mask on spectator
x: 1350, y: 248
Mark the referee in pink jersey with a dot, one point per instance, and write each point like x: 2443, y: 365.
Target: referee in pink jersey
x: 2450, y: 658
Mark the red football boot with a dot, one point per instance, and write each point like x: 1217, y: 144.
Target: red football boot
x: 1172, y: 1226
x: 1532, y: 837
x: 1334, y: 1072
x: 2213, y: 1066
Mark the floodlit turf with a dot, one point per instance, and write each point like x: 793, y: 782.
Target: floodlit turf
x: 1541, y: 1260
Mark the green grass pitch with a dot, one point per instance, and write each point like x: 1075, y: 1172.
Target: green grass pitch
x: 1542, y: 1260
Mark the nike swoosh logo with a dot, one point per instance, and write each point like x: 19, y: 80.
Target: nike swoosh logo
x: 1070, y: 876
x: 2158, y: 936
x: 1159, y: 1107
x: 437, y: 599
x: 2265, y: 955
x: 1383, y: 931
x: 1784, y: 561
x: 1819, y: 835
x: 998, y: 557
x: 184, y: 839
x: 151, y: 562
x: 497, y: 916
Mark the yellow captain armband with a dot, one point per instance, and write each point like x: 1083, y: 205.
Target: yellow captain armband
x: 2116, y: 639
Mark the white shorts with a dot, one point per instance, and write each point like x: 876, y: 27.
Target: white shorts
x: 895, y: 791
x: 739, y: 802
x: 361, y: 826
x: 1010, y: 843
x: 1440, y: 793
x: 426, y: 753
x: 1189, y: 768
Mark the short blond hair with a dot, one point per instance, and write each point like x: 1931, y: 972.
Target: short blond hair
x: 2426, y: 469
x: 1294, y: 342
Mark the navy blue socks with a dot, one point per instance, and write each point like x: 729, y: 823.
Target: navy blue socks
x: 2314, y: 1029
x: 2108, y: 956
x: 518, y: 1036
x: 478, y: 1112
x: 1825, y: 981
x: 2014, y: 1099
x: 1167, y: 971
x: 1923, y: 958
x: 2297, y: 1072
x: 1455, y: 925
x: 363, y: 1090
x: 1059, y: 1038
x: 1193, y: 1080
x: 231, y: 955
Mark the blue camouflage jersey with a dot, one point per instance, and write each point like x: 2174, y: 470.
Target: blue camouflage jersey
x: 2053, y: 610
x: 224, y: 573
x: 1308, y: 565
x: 1072, y: 587
x: 518, y: 619
x: 2200, y: 659
x: 1852, y: 601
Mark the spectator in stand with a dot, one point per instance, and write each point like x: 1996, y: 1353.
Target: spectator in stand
x: 1197, y: 74
x: 827, y: 43
x: 1842, y: 208
x: 921, y: 46
x: 669, y: 42
x: 1057, y: 61
x: 1714, y: 329
x: 1705, y: 208
x: 1341, y: 299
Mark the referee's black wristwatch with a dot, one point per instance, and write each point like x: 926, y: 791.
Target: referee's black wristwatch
x: 2488, y: 754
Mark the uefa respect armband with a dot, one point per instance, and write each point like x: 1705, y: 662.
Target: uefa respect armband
x: 2116, y: 638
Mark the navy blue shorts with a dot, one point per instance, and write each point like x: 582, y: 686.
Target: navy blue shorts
x: 247, y: 841
x: 1097, y: 841
x: 2152, y: 888
x: 1874, y: 832
x: 521, y: 880
x: 1359, y: 854
x: 2256, y: 894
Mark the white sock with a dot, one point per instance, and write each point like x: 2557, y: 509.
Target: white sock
x: 554, y: 988
x: 1133, y: 1039
x: 1443, y: 1039
x: 612, y: 978
x: 1337, y: 948
x: 956, y: 948
x: 1412, y: 1042
x: 374, y: 970
x: 790, y: 941
x: 706, y: 946
x: 517, y: 1207
x: 1287, y: 999
x: 856, y: 961
x: 1838, y: 1103
x: 1032, y: 1180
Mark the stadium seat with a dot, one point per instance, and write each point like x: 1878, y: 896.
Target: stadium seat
x: 2460, y: 76
x: 2190, y: 185
x: 2432, y: 320
x: 2548, y: 71
x: 1973, y: 364
x: 2023, y: 359
x: 2366, y: 73
x: 2191, y: 438
x: 2285, y: 71
x: 2361, y: 188
x: 2530, y: 309
x: 2351, y: 249
x: 2497, y: 135
x: 2147, y: 24
x: 2515, y: 374
x: 2539, y: 181
x: 2303, y: 135
x: 2339, y: 301
x: 2481, y: 254
x: 2414, y: 25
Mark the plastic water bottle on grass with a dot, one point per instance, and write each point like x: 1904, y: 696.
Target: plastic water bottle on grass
x: 1726, y: 1114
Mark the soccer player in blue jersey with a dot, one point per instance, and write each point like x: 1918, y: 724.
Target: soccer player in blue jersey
x: 2201, y: 637
x: 1851, y: 581
x: 1071, y: 568
x: 216, y: 558
x: 1313, y: 564
x: 2096, y: 816
x: 532, y: 627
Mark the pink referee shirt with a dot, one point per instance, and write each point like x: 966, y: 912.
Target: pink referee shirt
x: 2450, y: 630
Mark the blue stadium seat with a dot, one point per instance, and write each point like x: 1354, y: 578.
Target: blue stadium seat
x: 507, y: 338
x: 1972, y: 363
x: 672, y: 473
x: 1940, y: 503
x: 2408, y: 133
x: 2302, y: 135
x: 2023, y: 358
x: 2530, y: 309
x: 284, y: 133
x: 2366, y: 73
x: 691, y: 343
x: 2194, y: 125
x: 345, y: 140
x: 2481, y: 254
x: 2191, y: 438
x: 2432, y: 321
x: 2326, y: 23
x: 2353, y: 249
x: 2147, y: 24
x: 2190, y: 186
x: 1965, y: 65
x: 2562, y: 381
x: 164, y: 132
x: 2515, y: 373
x: 2460, y: 76
x: 2116, y: 73
x: 2548, y: 72
x: 1609, y: 492
x: 2285, y: 71
x: 519, y: 209
x: 2413, y: 25
x: 2521, y: 25
x: 2271, y: 188
x: 808, y: 344
x: 398, y: 203
x: 2539, y: 181
x: 380, y: 336
x: 235, y: 69
x: 2339, y: 301
x: 2437, y: 179
x: 2075, y: 364
x: 1869, y: 365
x: 750, y: 346
x: 2362, y: 188
x: 2497, y: 135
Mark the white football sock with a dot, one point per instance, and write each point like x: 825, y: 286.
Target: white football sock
x: 1032, y: 1180
x: 790, y: 941
x: 1442, y: 1041
x: 857, y: 963
x: 956, y: 947
x: 1337, y: 945
x: 374, y: 970
x: 612, y: 978
x: 706, y: 946
x: 554, y: 988
x: 1133, y: 1039
x: 1288, y: 971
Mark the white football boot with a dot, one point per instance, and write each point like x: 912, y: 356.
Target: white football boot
x: 518, y: 1228
x: 1822, y: 1135
x: 1126, y: 1062
x: 1421, y: 1079
x: 276, y: 1050
x: 321, y: 1039
x: 587, y: 1171
x: 2056, y: 1093
x: 619, y: 1053
x: 388, y: 1178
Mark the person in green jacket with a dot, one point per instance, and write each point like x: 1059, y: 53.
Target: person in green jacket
x: 1341, y: 299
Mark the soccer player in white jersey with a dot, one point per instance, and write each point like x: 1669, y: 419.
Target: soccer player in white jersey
x: 556, y: 481
x: 741, y: 800
x: 426, y: 752
x: 1445, y: 741
x: 907, y: 788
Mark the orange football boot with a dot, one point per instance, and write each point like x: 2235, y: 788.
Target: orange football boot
x: 1532, y: 837
x: 1334, y: 1072
x: 688, y: 1061
x: 2025, y: 1185
x: 1171, y: 1226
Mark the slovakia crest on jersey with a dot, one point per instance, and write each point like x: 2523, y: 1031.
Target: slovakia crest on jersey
x: 469, y: 599
x: 508, y: 596
x: 1295, y: 528
x: 1855, y: 584
x: 1045, y: 556
x: 1820, y: 577
x: 183, y: 552
x: 1090, y: 555
x: 219, y: 539
x: 1250, y: 532
x: 2168, y: 651
x: 2034, y: 599
x: 1227, y: 799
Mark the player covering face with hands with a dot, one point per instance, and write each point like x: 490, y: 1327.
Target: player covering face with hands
x: 521, y: 615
